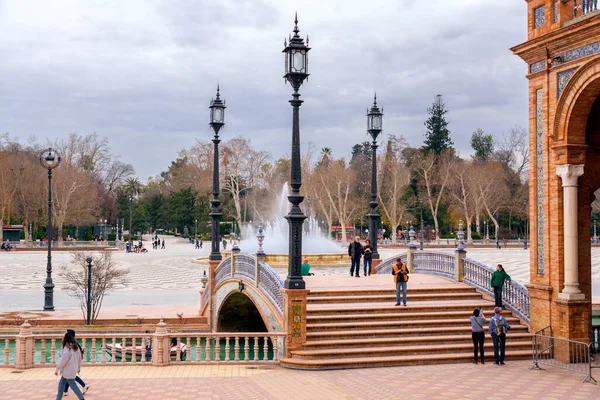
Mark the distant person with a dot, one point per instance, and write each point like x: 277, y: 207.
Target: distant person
x: 163, y: 244
x: 200, y: 243
x: 305, y: 267
x: 355, y: 251
x: 400, y: 272
x: 69, y: 366
x: 478, y: 333
x: 368, y: 259
x: 498, y: 328
x: 499, y: 276
x: 197, y: 244
x: 224, y: 244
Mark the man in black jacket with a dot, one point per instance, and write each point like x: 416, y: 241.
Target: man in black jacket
x: 355, y: 251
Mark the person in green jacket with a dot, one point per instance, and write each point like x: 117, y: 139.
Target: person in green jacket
x: 497, y: 282
x: 305, y: 267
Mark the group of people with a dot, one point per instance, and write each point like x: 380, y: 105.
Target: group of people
x: 69, y: 366
x: 198, y: 243
x: 156, y: 243
x: 497, y: 328
x: 6, y: 246
x: 356, y: 251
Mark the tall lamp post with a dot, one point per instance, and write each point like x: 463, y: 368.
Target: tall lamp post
x: 217, y: 121
x: 89, y: 289
x: 421, y: 233
x: 49, y: 159
x: 525, y: 233
x: 374, y: 127
x: 296, y: 71
x: 196, y: 229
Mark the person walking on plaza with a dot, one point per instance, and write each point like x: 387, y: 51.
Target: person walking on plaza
x: 69, y: 366
x: 400, y: 272
x: 477, y: 333
x: 84, y: 387
x: 355, y: 251
x: 197, y: 243
x: 368, y: 259
x: 200, y: 243
x: 497, y: 283
x: 163, y: 244
x: 498, y: 328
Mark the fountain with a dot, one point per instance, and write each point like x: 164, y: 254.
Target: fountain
x: 316, y: 246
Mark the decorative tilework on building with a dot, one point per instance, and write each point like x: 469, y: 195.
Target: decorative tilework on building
x: 555, y: 11
x: 537, y: 66
x: 580, y: 52
x: 539, y: 16
x: 562, y: 78
x: 539, y: 157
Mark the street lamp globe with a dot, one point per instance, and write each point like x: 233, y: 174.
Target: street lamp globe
x: 296, y: 58
x: 217, y: 112
x: 374, y: 119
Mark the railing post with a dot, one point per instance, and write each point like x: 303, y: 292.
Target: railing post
x: 294, y: 318
x: 24, y: 347
x: 161, y: 346
x: 260, y: 253
x: 459, y: 266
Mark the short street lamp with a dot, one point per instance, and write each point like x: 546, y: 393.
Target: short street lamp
x: 89, y: 289
x: 296, y: 71
x: 374, y: 127
x: 217, y: 121
x: 525, y: 233
x: 49, y: 159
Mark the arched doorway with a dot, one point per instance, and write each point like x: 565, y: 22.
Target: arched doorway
x: 238, y: 313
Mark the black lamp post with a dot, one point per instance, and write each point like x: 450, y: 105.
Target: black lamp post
x: 525, y: 233
x: 89, y: 289
x: 296, y: 71
x: 421, y: 235
x: 374, y: 127
x: 49, y: 159
x: 217, y: 121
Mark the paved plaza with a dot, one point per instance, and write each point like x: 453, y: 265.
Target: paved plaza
x: 171, y: 277
x: 450, y: 381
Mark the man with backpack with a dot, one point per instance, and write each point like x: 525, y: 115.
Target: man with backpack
x: 498, y: 328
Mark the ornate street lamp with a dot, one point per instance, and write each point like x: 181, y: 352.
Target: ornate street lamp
x: 374, y: 127
x: 525, y: 238
x: 217, y: 121
x: 296, y: 71
x: 49, y: 159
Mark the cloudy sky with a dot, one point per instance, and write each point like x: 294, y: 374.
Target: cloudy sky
x: 142, y: 72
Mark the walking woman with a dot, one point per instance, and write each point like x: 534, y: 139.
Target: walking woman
x: 497, y: 282
x: 477, y: 333
x: 368, y: 258
x: 69, y: 366
x: 84, y: 386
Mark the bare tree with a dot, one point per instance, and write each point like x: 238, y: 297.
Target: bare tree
x: 106, y: 276
x: 490, y: 179
x: 464, y: 192
x: 513, y: 151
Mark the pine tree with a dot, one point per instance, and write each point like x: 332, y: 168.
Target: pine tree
x: 437, y: 137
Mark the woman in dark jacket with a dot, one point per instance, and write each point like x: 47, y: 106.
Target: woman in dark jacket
x: 368, y: 257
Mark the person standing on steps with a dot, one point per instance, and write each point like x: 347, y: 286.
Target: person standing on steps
x: 498, y: 328
x: 497, y: 283
x: 477, y: 333
x: 368, y: 260
x: 355, y: 251
x: 400, y: 272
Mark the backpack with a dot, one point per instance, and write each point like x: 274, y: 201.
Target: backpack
x: 500, y: 326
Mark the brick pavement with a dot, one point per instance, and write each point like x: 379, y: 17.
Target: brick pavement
x: 452, y: 381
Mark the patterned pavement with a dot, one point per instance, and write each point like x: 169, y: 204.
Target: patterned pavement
x: 451, y: 381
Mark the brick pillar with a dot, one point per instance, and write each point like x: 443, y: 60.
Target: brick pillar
x: 161, y: 346
x: 260, y: 256
x: 459, y: 267
x: 24, y: 347
x: 294, y: 318
x: 410, y: 258
x: 540, y: 305
x: 375, y: 264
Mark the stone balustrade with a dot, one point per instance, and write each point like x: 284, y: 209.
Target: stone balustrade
x: 27, y: 350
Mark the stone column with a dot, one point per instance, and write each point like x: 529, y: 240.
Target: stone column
x: 294, y: 319
x: 212, y: 266
x: 569, y: 174
x: 161, y: 346
x: 24, y: 347
x: 459, y: 266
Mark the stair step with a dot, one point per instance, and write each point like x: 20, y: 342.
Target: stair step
x: 434, y: 347
x: 394, y: 323
x: 382, y: 333
x: 404, y: 340
x: 361, y: 362
x: 406, y: 315
x: 443, y: 289
x: 389, y: 307
x: 392, y: 297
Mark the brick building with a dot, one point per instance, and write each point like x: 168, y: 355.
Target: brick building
x: 562, y: 53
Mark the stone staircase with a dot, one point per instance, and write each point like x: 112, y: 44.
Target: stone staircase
x: 362, y: 327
